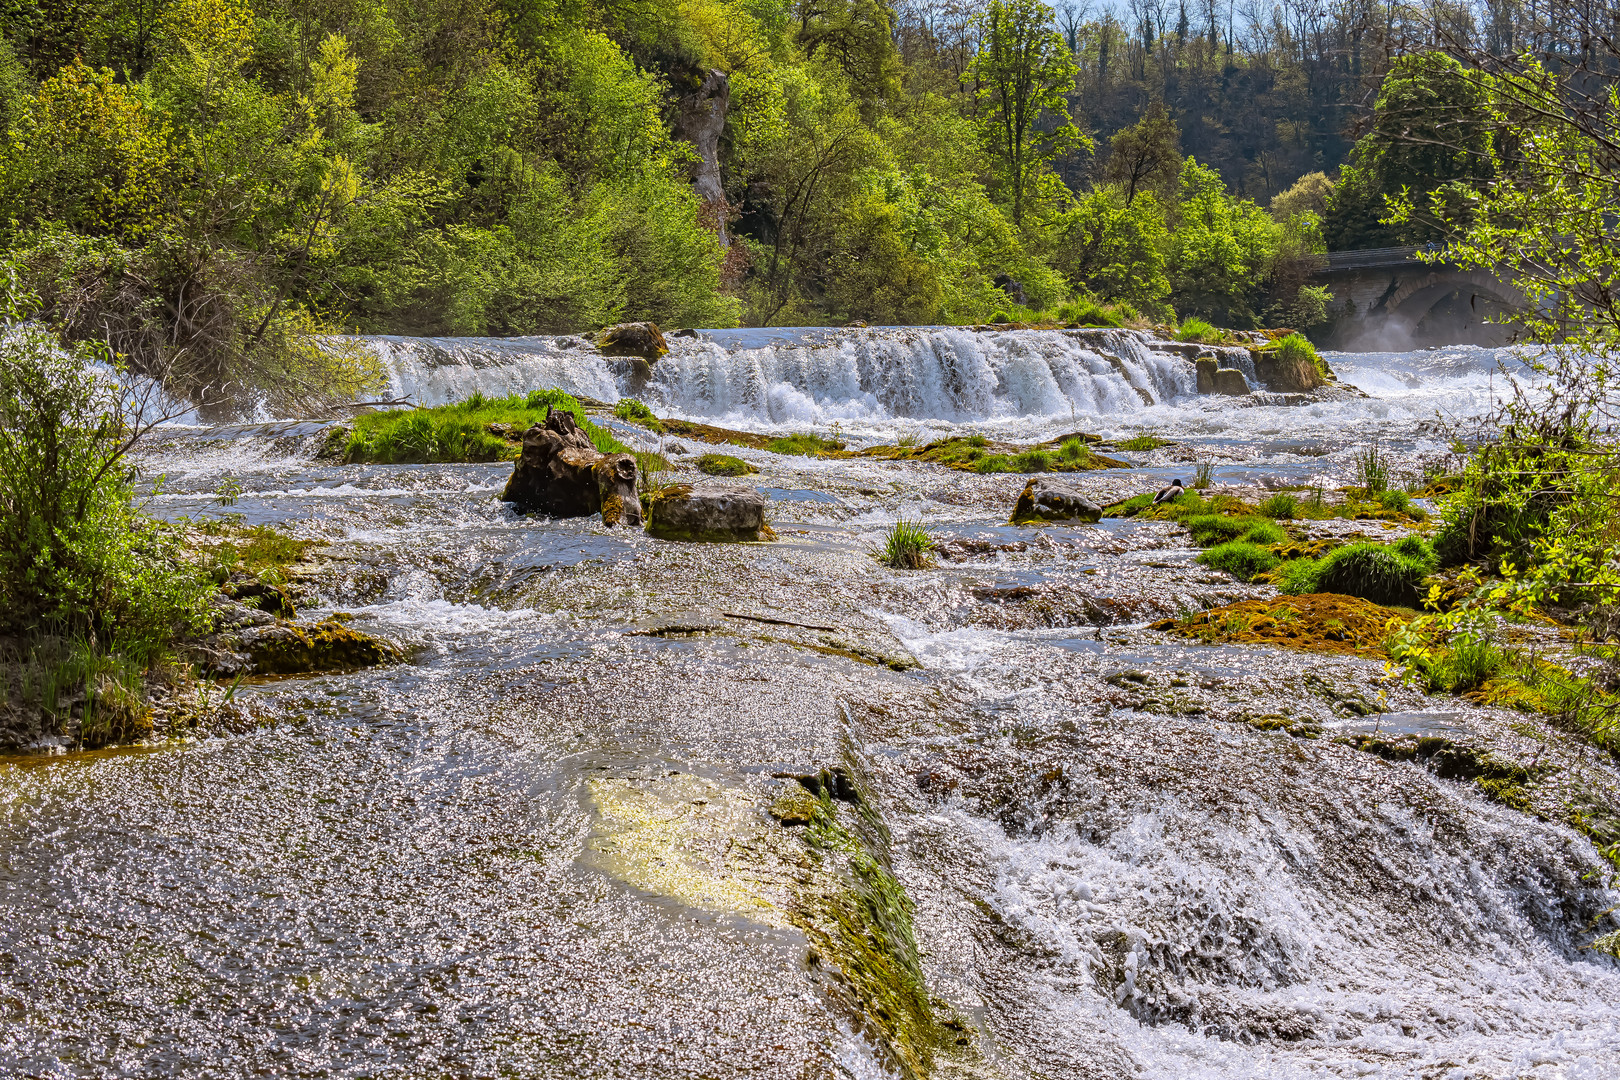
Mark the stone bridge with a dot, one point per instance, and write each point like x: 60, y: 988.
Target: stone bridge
x: 1389, y: 298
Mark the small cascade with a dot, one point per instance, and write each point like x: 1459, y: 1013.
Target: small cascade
x: 813, y: 376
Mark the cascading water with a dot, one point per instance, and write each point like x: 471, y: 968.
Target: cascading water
x: 819, y: 376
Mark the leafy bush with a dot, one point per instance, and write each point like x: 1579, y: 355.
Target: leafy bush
x: 1200, y: 332
x: 1240, y: 558
x: 906, y: 546
x: 77, y: 558
x: 724, y: 465
x: 634, y: 411
x: 1281, y: 505
x: 1088, y: 313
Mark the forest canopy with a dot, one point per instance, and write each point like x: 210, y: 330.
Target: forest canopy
x: 210, y: 187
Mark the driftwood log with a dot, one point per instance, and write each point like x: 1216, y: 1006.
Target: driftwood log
x: 561, y: 474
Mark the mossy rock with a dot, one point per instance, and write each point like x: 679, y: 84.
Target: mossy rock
x: 1315, y: 622
x: 724, y: 465
x: 285, y: 649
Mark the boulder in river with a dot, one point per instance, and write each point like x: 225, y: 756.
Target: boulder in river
x: 560, y: 473
x: 641, y: 340
x: 1046, y: 498
x: 1294, y: 374
x: 285, y: 649
x: 1207, y: 366
x: 1230, y: 381
x: 708, y: 511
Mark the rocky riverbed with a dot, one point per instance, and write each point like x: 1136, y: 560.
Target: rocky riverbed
x: 637, y: 807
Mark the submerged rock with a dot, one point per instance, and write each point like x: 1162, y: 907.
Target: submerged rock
x: 641, y: 340
x: 560, y: 473
x: 708, y: 511
x: 1049, y: 499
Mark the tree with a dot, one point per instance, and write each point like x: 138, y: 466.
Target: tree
x: 1023, y: 72
x: 1145, y: 155
x: 1113, y: 248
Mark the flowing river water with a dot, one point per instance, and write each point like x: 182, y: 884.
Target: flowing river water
x: 541, y: 846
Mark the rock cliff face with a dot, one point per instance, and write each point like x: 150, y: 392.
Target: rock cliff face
x: 560, y: 473
x: 700, y: 116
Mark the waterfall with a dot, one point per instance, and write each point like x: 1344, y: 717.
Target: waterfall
x: 801, y: 376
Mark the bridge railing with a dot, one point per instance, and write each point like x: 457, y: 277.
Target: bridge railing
x: 1374, y: 258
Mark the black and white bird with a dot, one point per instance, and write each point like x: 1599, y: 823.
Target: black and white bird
x: 1172, y: 490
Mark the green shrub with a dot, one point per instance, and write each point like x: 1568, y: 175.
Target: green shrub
x: 1241, y: 559
x: 906, y: 546
x: 724, y: 465
x: 1299, y: 347
x: 1000, y: 317
x: 1281, y: 505
x: 1088, y: 313
x: 634, y: 411
x: 77, y: 557
x: 1199, y: 331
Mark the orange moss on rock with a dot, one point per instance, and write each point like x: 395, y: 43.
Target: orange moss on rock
x: 1316, y: 622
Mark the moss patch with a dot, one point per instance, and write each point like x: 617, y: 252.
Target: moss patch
x: 328, y: 646
x: 977, y: 453
x: 724, y: 465
x: 1320, y: 623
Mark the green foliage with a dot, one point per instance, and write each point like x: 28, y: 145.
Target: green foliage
x: 724, y: 465
x: 1242, y: 559
x: 1221, y: 250
x: 1296, y: 577
x: 906, y: 546
x: 1198, y: 331
x: 1110, y: 246
x: 1141, y: 443
x: 1208, y: 529
x: 461, y: 432
x: 1075, y: 452
x: 635, y: 412
x: 77, y: 557
x: 1383, y: 574
x: 1022, y: 73
x: 1298, y: 347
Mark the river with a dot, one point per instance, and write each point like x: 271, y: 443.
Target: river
x: 541, y: 847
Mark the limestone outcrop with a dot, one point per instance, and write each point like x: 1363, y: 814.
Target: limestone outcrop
x: 1047, y: 498
x: 708, y: 511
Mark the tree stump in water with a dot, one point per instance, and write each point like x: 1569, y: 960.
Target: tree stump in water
x: 560, y: 473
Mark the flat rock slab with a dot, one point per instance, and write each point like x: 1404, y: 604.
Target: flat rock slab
x: 708, y: 512
x: 1050, y: 499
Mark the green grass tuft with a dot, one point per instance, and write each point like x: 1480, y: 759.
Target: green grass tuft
x: 633, y: 411
x: 1240, y: 558
x: 1299, y: 347
x: 906, y: 546
x: 1210, y: 529
x: 1381, y: 573
x: 806, y: 444
x: 1142, y: 443
x: 1197, y: 330
x: 1281, y: 505
x: 460, y: 432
